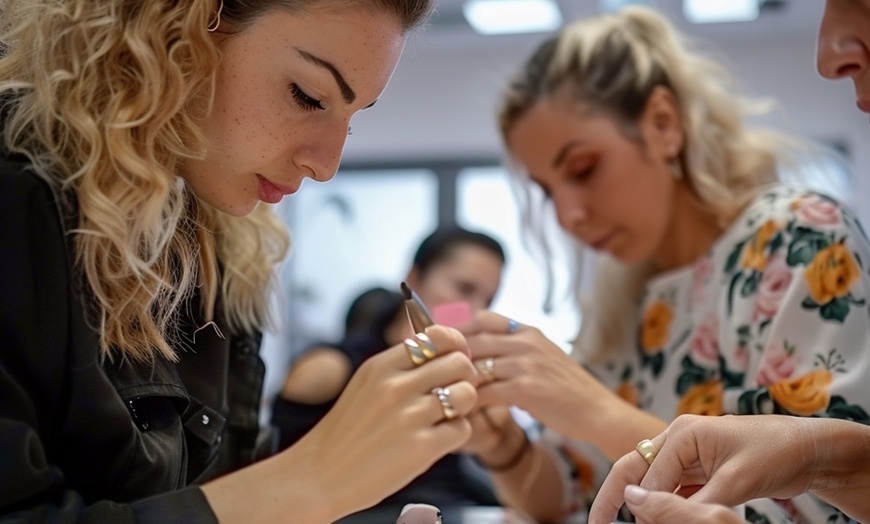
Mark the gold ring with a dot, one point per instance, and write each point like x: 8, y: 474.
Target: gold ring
x: 486, y: 368
x: 418, y: 356
x: 443, y: 395
x: 426, y: 345
x: 647, y: 450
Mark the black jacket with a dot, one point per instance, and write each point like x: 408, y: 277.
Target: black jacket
x: 86, y: 440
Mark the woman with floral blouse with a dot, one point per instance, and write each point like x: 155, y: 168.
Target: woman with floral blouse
x: 719, y: 289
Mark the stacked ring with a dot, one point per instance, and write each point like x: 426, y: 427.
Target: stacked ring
x: 647, y: 450
x: 420, y: 348
x: 443, y: 395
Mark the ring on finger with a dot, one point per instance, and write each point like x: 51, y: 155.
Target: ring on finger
x: 415, y: 352
x: 486, y: 368
x: 443, y: 396
x: 647, y: 450
x: 513, y: 325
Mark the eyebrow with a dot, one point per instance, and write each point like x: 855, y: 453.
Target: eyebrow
x: 346, y: 92
x: 563, y: 153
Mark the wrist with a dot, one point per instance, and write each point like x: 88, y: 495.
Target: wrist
x: 513, y: 447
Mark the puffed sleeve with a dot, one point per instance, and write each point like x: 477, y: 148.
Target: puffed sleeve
x: 798, y: 311
x: 37, y: 331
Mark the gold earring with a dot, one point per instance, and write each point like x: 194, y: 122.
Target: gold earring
x: 212, y: 27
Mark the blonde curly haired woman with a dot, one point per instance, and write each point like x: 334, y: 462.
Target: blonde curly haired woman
x: 719, y: 290
x: 142, y: 142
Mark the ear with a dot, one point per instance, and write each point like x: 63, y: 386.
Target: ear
x: 413, y: 278
x: 662, y: 124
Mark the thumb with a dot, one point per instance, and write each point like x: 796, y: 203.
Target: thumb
x: 650, y: 507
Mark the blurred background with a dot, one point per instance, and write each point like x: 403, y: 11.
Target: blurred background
x: 429, y: 152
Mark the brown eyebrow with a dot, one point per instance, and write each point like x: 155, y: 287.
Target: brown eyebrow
x: 346, y: 92
x: 560, y: 156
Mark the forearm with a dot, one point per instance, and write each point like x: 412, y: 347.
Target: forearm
x: 842, y: 475
x: 617, y: 427
x: 534, y: 487
x: 272, y: 490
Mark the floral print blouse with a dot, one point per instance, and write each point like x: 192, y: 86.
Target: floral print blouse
x: 773, y: 319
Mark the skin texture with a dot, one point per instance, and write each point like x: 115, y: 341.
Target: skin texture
x: 471, y: 274
x: 613, y: 189
x: 785, y: 456
x: 262, y: 121
x: 732, y: 459
x: 388, y: 421
x: 611, y: 192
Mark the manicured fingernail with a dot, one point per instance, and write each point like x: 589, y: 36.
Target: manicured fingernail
x: 635, y: 495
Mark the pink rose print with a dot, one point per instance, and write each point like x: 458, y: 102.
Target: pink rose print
x: 778, y: 364
x: 701, y: 275
x: 772, y: 288
x: 814, y: 210
x: 741, y: 358
x: 704, y: 345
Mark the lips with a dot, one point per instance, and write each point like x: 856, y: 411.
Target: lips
x: 271, y: 192
x: 602, y: 241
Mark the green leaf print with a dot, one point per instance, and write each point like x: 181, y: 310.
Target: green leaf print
x: 731, y: 287
x: 804, y: 246
x: 809, y: 303
x: 836, y: 309
x: 839, y: 408
x: 734, y: 257
x: 750, y: 285
x: 692, y: 375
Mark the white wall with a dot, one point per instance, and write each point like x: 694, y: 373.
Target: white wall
x: 442, y: 99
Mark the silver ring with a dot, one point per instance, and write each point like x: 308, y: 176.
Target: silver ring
x: 443, y: 395
x: 512, y: 325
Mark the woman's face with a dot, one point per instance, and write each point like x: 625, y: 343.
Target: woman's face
x: 844, y: 45
x: 470, y: 273
x: 611, y: 193
x: 285, y: 92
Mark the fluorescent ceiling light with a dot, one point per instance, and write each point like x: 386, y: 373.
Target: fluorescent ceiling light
x: 717, y: 11
x: 495, y: 17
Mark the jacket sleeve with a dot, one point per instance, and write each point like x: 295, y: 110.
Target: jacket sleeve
x: 38, y: 326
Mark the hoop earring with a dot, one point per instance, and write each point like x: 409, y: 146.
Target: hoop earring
x: 212, y: 27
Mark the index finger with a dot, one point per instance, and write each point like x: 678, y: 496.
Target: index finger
x: 446, y: 340
x: 630, y: 469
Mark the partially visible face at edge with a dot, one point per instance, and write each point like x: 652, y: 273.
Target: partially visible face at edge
x: 285, y: 92
x: 470, y: 273
x: 844, y: 45
x: 610, y: 192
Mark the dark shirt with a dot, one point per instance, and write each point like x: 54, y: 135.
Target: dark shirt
x: 86, y: 439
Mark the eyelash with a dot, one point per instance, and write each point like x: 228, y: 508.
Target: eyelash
x: 305, y: 101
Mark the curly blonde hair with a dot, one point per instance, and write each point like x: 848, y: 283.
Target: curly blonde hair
x: 611, y: 64
x: 102, y: 98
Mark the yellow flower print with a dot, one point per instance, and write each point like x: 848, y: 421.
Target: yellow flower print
x: 703, y: 399
x: 585, y: 471
x: 805, y: 395
x: 656, y: 327
x: 754, y: 256
x: 628, y: 392
x: 831, y: 274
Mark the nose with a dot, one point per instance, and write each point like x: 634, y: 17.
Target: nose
x: 321, y: 153
x: 572, y: 210
x: 840, y: 52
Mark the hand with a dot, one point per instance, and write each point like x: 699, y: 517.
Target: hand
x: 733, y: 458
x: 651, y: 507
x: 387, y: 427
x: 489, y: 427
x: 534, y: 374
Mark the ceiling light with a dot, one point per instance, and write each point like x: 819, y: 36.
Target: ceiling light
x: 718, y: 11
x: 495, y: 17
